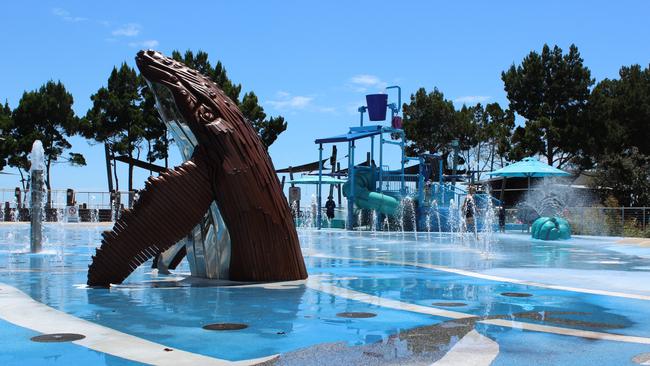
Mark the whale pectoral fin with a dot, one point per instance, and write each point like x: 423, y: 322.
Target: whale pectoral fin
x: 167, y: 210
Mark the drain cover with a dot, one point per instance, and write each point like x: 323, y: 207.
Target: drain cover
x: 516, y: 294
x: 353, y: 314
x: 449, y: 304
x: 58, y: 337
x: 225, y: 326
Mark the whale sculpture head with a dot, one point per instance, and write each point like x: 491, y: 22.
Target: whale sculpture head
x: 183, y: 93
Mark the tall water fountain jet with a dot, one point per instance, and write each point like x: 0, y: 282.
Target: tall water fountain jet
x: 487, y: 227
x: 551, y: 198
x: 436, y: 211
x: 37, y: 160
x: 374, y: 222
x: 452, y: 217
x: 407, y: 216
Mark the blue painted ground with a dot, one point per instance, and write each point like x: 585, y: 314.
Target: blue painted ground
x: 19, y: 351
x: 284, y: 320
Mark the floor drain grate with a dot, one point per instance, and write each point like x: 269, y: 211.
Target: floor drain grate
x: 516, y: 294
x: 225, y: 326
x: 449, y: 304
x: 353, y: 314
x: 58, y: 337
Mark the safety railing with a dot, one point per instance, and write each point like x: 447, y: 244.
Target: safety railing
x: 58, y: 198
x: 88, y: 205
x: 393, y: 183
x: 606, y: 221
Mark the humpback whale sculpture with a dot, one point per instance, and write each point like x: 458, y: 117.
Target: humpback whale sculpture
x: 226, y: 193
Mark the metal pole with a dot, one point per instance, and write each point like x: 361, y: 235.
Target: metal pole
x: 401, y: 145
x: 399, y: 97
x: 622, y: 219
x: 349, y: 223
x: 455, y: 146
x: 381, y: 160
x: 320, y: 182
x: 338, y: 186
x: 333, y: 163
x: 421, y: 182
x: 361, y: 110
x: 372, y: 149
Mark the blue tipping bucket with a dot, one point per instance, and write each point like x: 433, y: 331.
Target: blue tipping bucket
x: 377, y: 104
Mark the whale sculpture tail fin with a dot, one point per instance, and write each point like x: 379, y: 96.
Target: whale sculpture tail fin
x: 167, y: 210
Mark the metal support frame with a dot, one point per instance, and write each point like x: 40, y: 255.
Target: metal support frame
x: 361, y: 111
x: 349, y: 224
x: 402, y: 143
x: 381, y: 161
x: 320, y: 185
x: 395, y: 109
x: 372, y: 149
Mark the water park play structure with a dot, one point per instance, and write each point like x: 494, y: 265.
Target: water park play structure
x: 206, y: 208
x: 420, y: 197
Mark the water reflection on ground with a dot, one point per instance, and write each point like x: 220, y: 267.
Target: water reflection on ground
x: 304, y: 324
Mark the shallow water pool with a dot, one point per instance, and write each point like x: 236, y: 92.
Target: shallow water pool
x: 430, y: 297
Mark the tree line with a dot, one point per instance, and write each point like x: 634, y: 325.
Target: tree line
x: 569, y: 121
x: 122, y: 117
x: 556, y: 111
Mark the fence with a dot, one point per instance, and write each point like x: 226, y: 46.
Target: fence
x: 57, y: 198
x: 619, y: 221
x: 92, y: 205
x: 616, y: 221
x: 393, y: 183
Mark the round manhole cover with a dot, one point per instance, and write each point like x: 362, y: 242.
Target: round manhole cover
x: 516, y: 294
x: 354, y: 314
x: 449, y: 304
x: 225, y: 326
x: 58, y: 337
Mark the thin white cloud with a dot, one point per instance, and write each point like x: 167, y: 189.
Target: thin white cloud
x: 128, y: 30
x: 472, y: 99
x: 152, y: 43
x: 291, y: 102
x: 65, y: 15
x: 365, y: 82
x: 285, y: 101
x: 327, y: 109
x: 60, y: 12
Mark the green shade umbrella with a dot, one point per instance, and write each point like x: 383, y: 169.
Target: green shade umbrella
x: 529, y: 168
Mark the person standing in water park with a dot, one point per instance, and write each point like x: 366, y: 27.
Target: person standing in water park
x: 329, y: 207
x: 502, y: 219
x: 469, y: 208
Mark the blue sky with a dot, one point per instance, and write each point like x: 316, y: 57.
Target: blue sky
x: 312, y: 62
